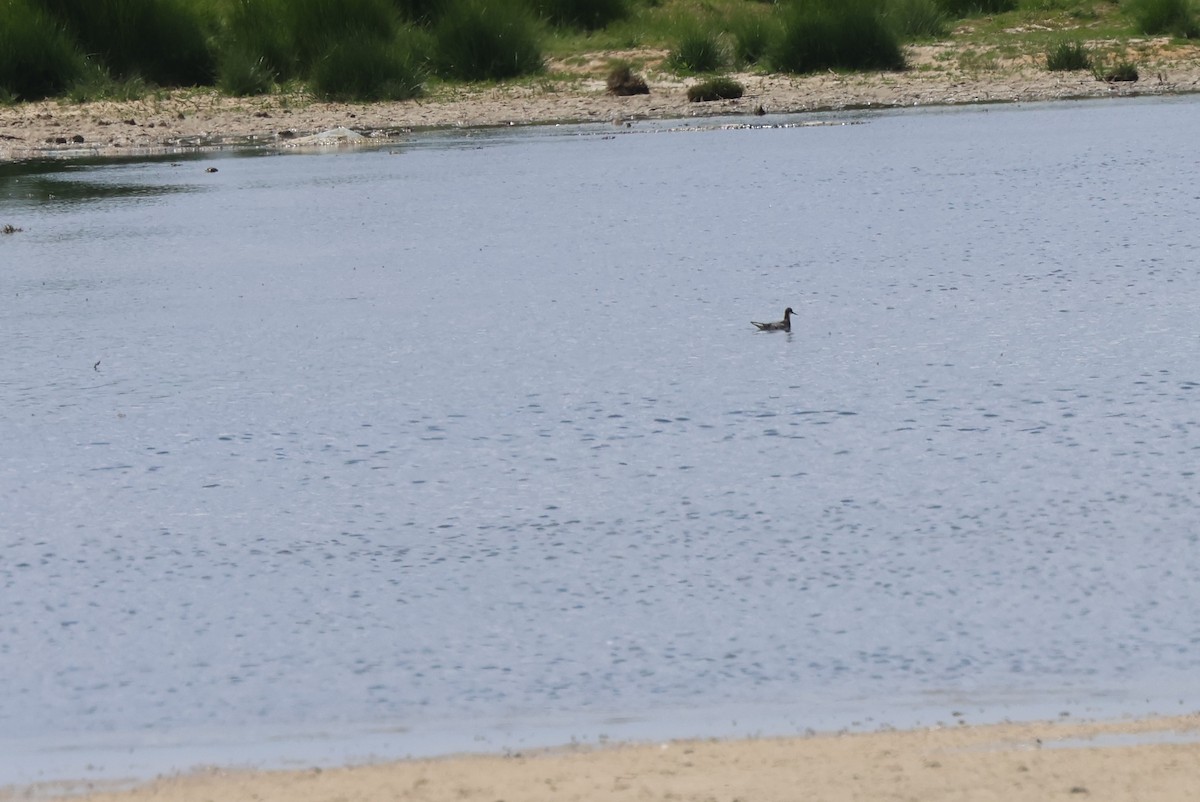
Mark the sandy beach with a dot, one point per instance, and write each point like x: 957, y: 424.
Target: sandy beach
x: 1149, y: 759
x: 188, y: 120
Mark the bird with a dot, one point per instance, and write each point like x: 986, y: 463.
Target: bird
x: 779, y: 325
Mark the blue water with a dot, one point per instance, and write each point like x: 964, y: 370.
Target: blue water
x: 473, y: 435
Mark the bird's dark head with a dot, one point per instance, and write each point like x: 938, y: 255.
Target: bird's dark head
x: 788, y: 311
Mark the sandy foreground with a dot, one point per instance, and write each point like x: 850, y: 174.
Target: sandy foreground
x: 1156, y: 760
x: 188, y: 120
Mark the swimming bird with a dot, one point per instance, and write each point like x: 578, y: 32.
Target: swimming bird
x: 779, y: 325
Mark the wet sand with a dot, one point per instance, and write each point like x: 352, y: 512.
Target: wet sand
x: 1149, y: 759
x: 187, y: 120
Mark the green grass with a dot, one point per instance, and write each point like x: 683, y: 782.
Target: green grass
x: 166, y: 42
x: 1173, y: 17
x: 1068, y: 54
x: 587, y: 15
x: 97, y: 84
x: 1121, y: 71
x: 478, y: 40
x: 716, y: 88
x: 753, y: 29
x: 836, y: 34
x: 370, y: 69
x: 288, y: 37
x: 89, y: 49
x: 916, y: 19
x: 241, y: 73
x: 623, y: 81
x: 697, y: 50
x: 970, y: 8
x: 37, y: 57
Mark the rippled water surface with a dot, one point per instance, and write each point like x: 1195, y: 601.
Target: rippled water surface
x: 476, y: 430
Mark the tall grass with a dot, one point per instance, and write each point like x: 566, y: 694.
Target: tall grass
x: 719, y: 87
x: 370, y: 70
x: 1173, y: 17
x: 258, y: 37
x: 753, y: 32
x: 420, y: 12
x: 1066, y: 55
x: 242, y: 73
x: 916, y: 19
x: 37, y: 58
x: 971, y: 8
x: 163, y: 41
x: 836, y: 34
x: 590, y: 15
x: 346, y: 49
x: 696, y: 50
x: 289, y: 36
x: 486, y: 40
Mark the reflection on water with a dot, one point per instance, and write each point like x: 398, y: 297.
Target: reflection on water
x: 471, y: 434
x: 41, y: 184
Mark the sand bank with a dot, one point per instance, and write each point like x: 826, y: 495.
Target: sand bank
x: 1149, y: 759
x: 188, y: 120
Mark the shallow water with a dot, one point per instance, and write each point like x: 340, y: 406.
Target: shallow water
x: 472, y: 435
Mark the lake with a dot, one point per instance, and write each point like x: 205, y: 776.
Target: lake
x: 468, y: 442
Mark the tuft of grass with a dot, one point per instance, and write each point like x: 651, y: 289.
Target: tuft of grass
x: 622, y: 81
x: 1066, y: 55
x: 588, y: 15
x: 163, y: 41
x: 752, y: 32
x: 259, y: 32
x: 916, y: 19
x: 420, y: 12
x: 37, y: 57
x: 1173, y: 17
x: 286, y: 38
x: 368, y: 70
x: 697, y: 50
x: 476, y: 40
x: 242, y: 74
x: 1121, y: 72
x: 97, y: 84
x: 716, y: 88
x: 973, y: 8
x: 836, y: 34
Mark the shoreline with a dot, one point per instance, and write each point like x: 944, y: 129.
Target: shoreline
x: 188, y: 121
x: 1116, y: 759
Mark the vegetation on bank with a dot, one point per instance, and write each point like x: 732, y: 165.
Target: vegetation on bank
x: 395, y: 49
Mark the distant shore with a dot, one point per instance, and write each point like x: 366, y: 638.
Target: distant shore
x: 1116, y: 761
x: 189, y: 120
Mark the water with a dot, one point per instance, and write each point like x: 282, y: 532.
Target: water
x: 470, y: 441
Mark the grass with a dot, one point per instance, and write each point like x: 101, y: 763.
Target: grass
x: 478, y: 40
x: 1173, y: 17
x: 586, y: 15
x: 1068, y: 54
x: 716, y: 88
x: 37, y: 58
x: 166, y: 42
x: 1121, y: 71
x: 753, y: 30
x: 916, y: 19
x: 836, y: 34
x: 367, y: 49
x: 970, y: 8
x: 370, y: 69
x: 623, y: 82
x: 697, y: 50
